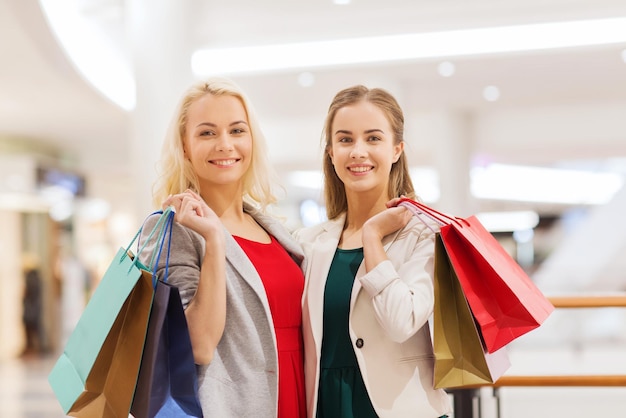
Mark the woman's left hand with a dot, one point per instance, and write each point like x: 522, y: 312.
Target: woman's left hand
x: 387, y: 221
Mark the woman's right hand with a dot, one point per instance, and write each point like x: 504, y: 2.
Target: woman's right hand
x: 193, y: 212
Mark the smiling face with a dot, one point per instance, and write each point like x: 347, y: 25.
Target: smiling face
x: 218, y: 141
x: 363, y: 148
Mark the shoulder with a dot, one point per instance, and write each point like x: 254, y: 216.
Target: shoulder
x: 309, y: 233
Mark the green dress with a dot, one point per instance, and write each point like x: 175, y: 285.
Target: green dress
x: 342, y: 393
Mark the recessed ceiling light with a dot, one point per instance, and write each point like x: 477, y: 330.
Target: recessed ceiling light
x: 446, y: 69
x: 306, y: 79
x: 491, y: 93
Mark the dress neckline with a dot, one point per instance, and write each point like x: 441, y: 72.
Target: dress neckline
x: 249, y: 241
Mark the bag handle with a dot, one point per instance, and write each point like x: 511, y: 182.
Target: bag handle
x: 421, y: 209
x: 164, y: 231
x: 160, y: 225
x: 168, y: 228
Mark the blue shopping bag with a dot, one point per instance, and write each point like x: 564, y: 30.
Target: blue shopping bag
x: 167, y: 386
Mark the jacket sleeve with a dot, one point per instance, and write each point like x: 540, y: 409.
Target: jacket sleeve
x: 185, y: 257
x: 402, y: 288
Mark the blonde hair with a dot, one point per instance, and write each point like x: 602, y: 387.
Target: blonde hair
x: 175, y: 172
x: 399, y: 179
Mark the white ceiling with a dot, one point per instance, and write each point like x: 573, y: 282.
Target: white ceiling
x: 556, y: 106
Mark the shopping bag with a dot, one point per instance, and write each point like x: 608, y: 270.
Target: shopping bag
x: 95, y: 375
x: 503, y: 299
x: 461, y: 359
x: 167, y: 385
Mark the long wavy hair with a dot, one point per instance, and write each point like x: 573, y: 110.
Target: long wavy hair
x: 399, y: 179
x: 175, y: 172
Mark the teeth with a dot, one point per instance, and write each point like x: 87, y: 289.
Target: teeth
x: 225, y: 162
x: 360, y: 169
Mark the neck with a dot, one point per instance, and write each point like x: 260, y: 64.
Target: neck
x: 225, y: 202
x: 361, y: 207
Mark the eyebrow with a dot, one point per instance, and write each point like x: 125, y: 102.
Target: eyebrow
x: 214, y: 125
x: 369, y: 131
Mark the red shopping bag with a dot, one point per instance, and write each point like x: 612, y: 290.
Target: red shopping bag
x: 504, y: 301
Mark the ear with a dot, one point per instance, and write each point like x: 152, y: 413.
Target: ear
x: 329, y: 150
x: 398, y: 149
x: 185, y: 155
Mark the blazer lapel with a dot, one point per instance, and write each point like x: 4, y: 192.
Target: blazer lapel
x: 279, y: 231
x: 321, y: 256
x: 242, y: 264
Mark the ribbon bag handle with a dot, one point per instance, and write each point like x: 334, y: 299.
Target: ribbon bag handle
x: 159, y: 227
x: 421, y: 209
x: 165, y: 232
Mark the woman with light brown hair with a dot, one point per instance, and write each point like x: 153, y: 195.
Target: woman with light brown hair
x: 369, y: 273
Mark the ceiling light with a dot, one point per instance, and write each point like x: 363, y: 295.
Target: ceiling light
x: 92, y: 52
x: 491, y: 93
x: 508, y: 221
x: 540, y: 36
x: 306, y: 79
x: 544, y: 185
x: 446, y: 69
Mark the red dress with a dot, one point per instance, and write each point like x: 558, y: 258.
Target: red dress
x: 284, y: 283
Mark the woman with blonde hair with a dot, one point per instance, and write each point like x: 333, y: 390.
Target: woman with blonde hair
x: 237, y: 268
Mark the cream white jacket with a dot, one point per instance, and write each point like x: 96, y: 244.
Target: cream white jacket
x: 389, y: 311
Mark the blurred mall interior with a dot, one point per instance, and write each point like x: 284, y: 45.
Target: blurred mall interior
x: 515, y: 111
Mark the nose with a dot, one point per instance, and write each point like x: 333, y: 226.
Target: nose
x: 224, y: 143
x: 358, y: 149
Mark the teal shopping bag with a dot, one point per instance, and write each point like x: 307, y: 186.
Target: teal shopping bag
x: 97, y: 371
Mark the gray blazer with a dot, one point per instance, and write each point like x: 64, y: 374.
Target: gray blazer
x: 242, y: 379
